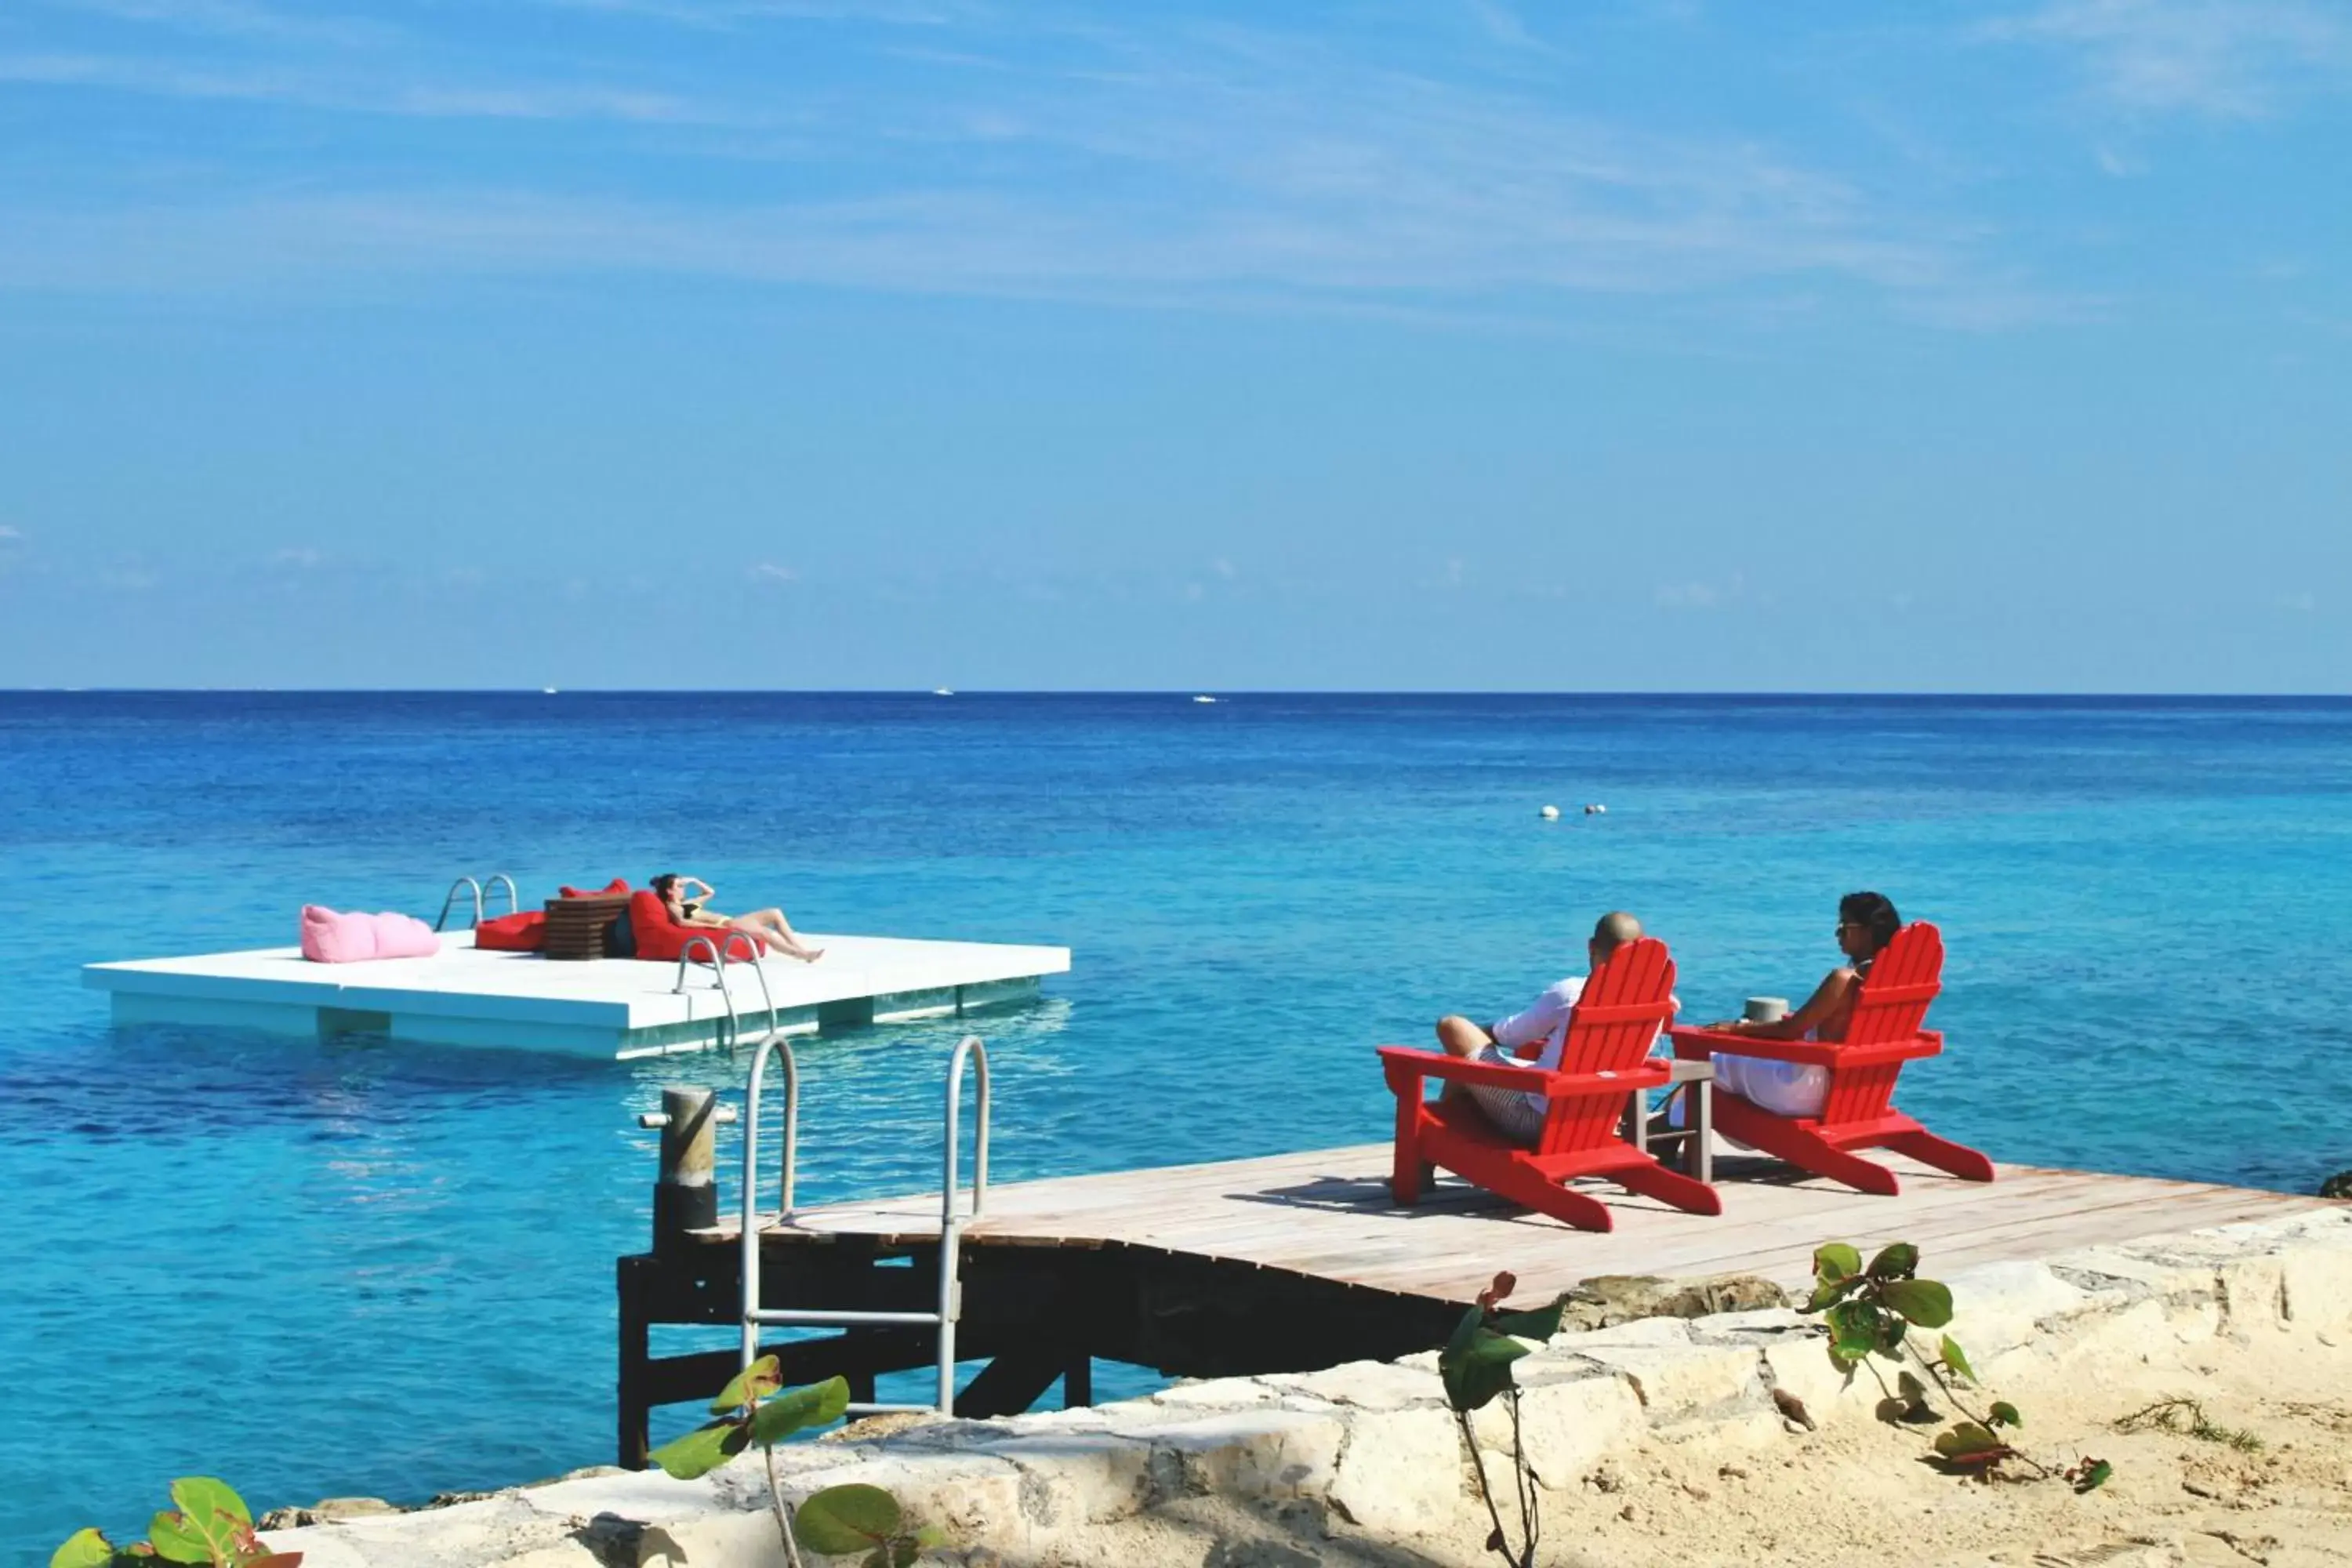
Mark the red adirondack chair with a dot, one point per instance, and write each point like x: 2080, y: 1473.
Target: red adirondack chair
x: 1883, y: 1033
x: 1606, y: 1057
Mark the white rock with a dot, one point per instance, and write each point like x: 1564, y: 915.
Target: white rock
x: 1640, y: 1331
x: 2319, y: 1285
x: 974, y: 1498
x: 1074, y: 1478
x: 1673, y: 1382
x: 1566, y: 1427
x: 1265, y: 1453
x: 1402, y: 1470
x: 1367, y: 1385
x: 738, y: 1541
x: 1803, y: 1368
x: 1216, y: 1394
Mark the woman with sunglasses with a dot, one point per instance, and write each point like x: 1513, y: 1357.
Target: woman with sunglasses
x: 1866, y: 923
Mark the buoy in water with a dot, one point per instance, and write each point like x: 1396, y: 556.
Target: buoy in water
x: 1550, y: 814
x: 1596, y: 811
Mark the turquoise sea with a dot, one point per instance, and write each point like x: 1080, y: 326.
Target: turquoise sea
x: 361, y: 1268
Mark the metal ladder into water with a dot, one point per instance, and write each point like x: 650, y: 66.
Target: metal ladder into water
x: 514, y: 897
x: 953, y: 1219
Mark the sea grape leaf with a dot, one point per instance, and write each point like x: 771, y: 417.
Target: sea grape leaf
x: 1927, y: 1302
x: 797, y: 1409
x: 1476, y: 1377
x: 1970, y: 1443
x: 842, y: 1520
x: 2004, y: 1414
x: 898, y: 1554
x: 757, y: 1381
x: 1539, y: 1325
x: 202, y: 1497
x: 1836, y: 1261
x: 175, y: 1539
x: 1891, y: 1329
x: 210, y: 1525
x: 1856, y: 1327
x: 2094, y: 1475
x: 1458, y: 1345
x: 1899, y: 1261
x: 1958, y: 1360
x: 1829, y: 1292
x: 702, y: 1450
x: 83, y: 1549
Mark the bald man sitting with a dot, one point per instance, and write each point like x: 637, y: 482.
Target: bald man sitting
x: 1520, y: 1116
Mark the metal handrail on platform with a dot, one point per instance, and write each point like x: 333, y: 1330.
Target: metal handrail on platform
x: 514, y: 894
x: 514, y: 897
x: 719, y: 948
x: 450, y: 901
x: 951, y: 1221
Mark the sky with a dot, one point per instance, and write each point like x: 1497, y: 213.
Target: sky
x: 1457, y: 345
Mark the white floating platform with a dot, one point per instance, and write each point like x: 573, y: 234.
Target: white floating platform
x: 603, y: 1007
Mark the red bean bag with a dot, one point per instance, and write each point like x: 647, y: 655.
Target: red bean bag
x: 520, y: 932
x: 660, y: 937
x: 613, y: 889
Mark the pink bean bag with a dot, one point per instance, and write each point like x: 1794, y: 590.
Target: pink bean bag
x: 331, y: 938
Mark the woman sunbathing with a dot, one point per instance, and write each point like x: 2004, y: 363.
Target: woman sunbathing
x: 1866, y: 923
x: 767, y: 926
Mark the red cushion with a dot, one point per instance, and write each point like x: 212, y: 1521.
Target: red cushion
x: 613, y: 889
x: 660, y: 937
x: 520, y: 932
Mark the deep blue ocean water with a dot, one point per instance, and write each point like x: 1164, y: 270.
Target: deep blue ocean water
x: 356, y: 1266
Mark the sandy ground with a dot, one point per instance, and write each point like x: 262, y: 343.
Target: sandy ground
x: 1761, y: 1494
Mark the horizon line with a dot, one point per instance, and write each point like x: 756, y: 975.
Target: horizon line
x: 1952, y: 694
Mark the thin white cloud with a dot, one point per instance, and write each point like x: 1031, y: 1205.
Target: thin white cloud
x: 235, y: 19
x: 728, y: 15
x: 9, y: 534
x: 1703, y: 595
x: 1232, y: 168
x: 2219, y: 58
x: 770, y: 572
x: 356, y: 93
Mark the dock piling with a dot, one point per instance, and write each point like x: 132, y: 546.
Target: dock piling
x: 686, y: 1194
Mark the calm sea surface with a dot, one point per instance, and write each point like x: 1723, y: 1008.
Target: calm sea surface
x: 359, y: 1267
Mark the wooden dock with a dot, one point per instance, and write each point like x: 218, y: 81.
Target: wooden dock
x: 1299, y: 1261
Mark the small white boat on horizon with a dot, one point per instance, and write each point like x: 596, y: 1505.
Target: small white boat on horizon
x: 1204, y: 699
x: 942, y: 691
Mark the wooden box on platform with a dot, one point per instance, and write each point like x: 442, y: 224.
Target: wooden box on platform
x: 576, y: 928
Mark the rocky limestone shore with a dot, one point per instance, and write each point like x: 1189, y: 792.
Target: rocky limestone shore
x: 1725, y: 1437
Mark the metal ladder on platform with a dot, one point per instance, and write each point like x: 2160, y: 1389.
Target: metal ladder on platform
x: 730, y: 1038
x: 514, y: 897
x: 953, y: 1219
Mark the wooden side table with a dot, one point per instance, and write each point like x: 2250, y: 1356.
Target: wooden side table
x: 1696, y: 1081
x: 576, y: 927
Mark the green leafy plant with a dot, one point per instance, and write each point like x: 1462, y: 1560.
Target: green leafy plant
x: 208, y: 1524
x: 2180, y: 1414
x: 755, y: 1407
x: 1476, y: 1367
x: 1883, y: 1310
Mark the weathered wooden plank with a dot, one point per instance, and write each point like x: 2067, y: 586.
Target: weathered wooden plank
x: 1327, y: 1213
